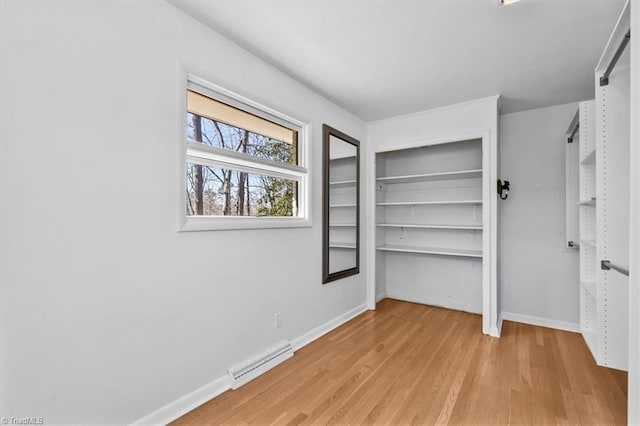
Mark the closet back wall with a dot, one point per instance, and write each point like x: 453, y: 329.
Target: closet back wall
x: 109, y: 313
x: 539, y: 277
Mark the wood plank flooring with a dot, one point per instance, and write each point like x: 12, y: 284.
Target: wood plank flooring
x: 410, y: 364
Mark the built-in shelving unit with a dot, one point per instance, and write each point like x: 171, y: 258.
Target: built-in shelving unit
x: 612, y: 177
x: 585, y: 164
x: 600, y: 155
x: 429, y: 224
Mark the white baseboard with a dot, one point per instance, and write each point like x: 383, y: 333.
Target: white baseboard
x: 381, y: 296
x: 497, y: 330
x: 183, y: 405
x: 323, y: 329
x: 542, y: 322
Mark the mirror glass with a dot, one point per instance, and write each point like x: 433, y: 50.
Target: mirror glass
x: 341, y: 205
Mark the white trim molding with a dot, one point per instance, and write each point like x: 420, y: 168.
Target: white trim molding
x: 381, y: 296
x: 573, y: 327
x: 183, y: 405
x: 323, y: 329
x: 496, y: 330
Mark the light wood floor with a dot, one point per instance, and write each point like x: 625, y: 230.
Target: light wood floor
x: 412, y: 364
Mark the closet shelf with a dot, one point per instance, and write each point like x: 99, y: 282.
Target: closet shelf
x: 463, y: 174
x: 425, y: 203
x: 426, y: 226
x: 431, y: 250
x: 342, y: 225
x: 337, y: 206
x: 590, y: 286
x: 589, y: 242
x: 342, y: 183
x: 590, y: 158
x: 342, y: 245
x: 591, y: 202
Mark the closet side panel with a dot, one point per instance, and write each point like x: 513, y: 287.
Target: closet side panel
x: 613, y: 215
x: 379, y: 217
x: 587, y: 196
x: 572, y: 190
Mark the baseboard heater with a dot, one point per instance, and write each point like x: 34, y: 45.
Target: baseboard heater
x: 254, y: 367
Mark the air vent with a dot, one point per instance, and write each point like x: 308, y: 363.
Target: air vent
x: 249, y: 370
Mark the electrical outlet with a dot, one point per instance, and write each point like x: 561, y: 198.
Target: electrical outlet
x: 277, y: 320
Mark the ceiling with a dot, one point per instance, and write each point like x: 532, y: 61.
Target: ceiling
x: 380, y: 59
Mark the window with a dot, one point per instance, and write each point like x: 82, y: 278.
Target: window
x: 244, y: 164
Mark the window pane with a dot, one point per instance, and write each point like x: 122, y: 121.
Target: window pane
x: 214, y: 191
x: 220, y: 125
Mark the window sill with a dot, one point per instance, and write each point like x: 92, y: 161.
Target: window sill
x: 208, y: 223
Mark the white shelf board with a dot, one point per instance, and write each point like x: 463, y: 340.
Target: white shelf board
x: 426, y: 226
x: 342, y: 225
x: 591, y: 202
x: 431, y: 250
x: 463, y: 174
x: 342, y: 245
x: 342, y: 183
x: 337, y: 206
x: 590, y: 158
x: 589, y: 242
x: 427, y: 203
x: 590, y: 286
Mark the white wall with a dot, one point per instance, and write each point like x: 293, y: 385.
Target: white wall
x: 539, y: 277
x: 109, y: 313
x: 454, y: 121
x: 634, y: 255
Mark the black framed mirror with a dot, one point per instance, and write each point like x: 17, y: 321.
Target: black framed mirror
x: 341, y: 205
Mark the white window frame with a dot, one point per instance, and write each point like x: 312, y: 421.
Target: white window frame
x: 198, y: 153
